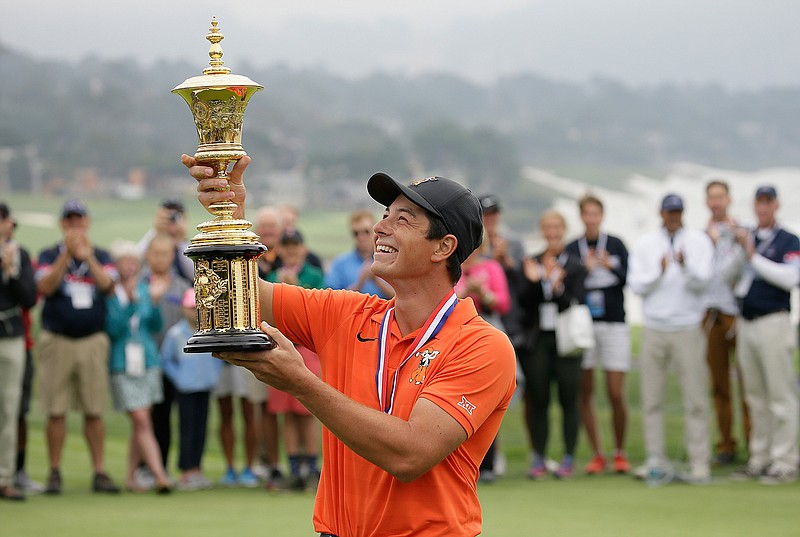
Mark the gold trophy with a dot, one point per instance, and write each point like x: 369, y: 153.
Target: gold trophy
x: 225, y: 252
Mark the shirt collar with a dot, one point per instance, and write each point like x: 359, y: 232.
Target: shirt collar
x: 463, y: 312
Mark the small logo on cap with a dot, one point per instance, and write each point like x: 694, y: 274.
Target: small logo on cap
x: 417, y: 183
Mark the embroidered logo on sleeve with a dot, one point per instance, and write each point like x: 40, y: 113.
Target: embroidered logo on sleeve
x: 425, y: 357
x: 466, y: 405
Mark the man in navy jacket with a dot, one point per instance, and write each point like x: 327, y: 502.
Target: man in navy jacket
x: 769, y: 268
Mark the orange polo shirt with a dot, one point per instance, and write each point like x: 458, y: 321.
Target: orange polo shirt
x: 468, y: 370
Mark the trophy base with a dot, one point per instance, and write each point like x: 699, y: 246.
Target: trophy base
x: 236, y: 342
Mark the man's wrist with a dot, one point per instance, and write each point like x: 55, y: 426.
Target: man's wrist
x: 304, y: 386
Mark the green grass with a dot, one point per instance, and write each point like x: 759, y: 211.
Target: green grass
x: 605, y: 505
x: 326, y: 232
x: 588, y: 506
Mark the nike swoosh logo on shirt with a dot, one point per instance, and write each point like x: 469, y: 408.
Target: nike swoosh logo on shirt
x: 364, y: 339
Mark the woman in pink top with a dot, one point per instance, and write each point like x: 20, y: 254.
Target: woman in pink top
x: 484, y: 281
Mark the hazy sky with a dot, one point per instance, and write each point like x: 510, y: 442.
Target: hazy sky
x: 738, y: 43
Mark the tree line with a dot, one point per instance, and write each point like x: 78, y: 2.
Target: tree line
x: 112, y: 116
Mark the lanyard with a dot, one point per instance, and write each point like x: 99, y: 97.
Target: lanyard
x: 583, y: 245
x: 762, y: 245
x: 749, y: 274
x: 428, y: 331
x: 547, y: 285
x: 74, y: 270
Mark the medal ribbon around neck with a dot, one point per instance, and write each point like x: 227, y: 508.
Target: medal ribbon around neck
x: 428, y: 331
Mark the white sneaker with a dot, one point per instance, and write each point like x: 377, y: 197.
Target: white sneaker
x: 260, y: 471
x: 655, y: 473
x: 640, y: 472
x: 778, y: 477
x: 26, y: 484
x: 694, y: 478
x: 194, y: 481
x: 144, y: 479
x: 698, y: 474
x: 747, y: 473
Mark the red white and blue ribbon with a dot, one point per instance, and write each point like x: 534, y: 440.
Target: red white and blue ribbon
x: 428, y: 331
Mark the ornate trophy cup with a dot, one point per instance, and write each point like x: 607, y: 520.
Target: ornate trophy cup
x: 225, y: 252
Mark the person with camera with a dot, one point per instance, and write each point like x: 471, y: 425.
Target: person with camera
x: 169, y: 226
x: 170, y: 219
x: 17, y: 292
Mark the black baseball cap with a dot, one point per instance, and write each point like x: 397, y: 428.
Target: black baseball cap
x: 768, y: 191
x: 73, y: 207
x: 672, y: 202
x: 5, y: 212
x: 456, y: 205
x: 490, y: 203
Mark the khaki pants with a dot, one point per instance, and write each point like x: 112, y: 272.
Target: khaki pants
x: 685, y: 350
x: 764, y: 349
x: 12, y: 367
x: 73, y: 369
x: 720, y: 331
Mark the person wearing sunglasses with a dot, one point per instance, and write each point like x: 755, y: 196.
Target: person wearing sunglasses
x: 351, y: 270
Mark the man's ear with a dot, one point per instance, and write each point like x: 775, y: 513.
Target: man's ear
x: 445, y: 248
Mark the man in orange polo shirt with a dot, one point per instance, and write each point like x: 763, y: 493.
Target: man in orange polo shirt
x: 413, y: 389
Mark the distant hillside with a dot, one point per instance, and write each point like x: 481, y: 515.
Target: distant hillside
x: 111, y: 117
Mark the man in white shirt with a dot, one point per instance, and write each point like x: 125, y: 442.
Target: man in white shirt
x: 670, y: 269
